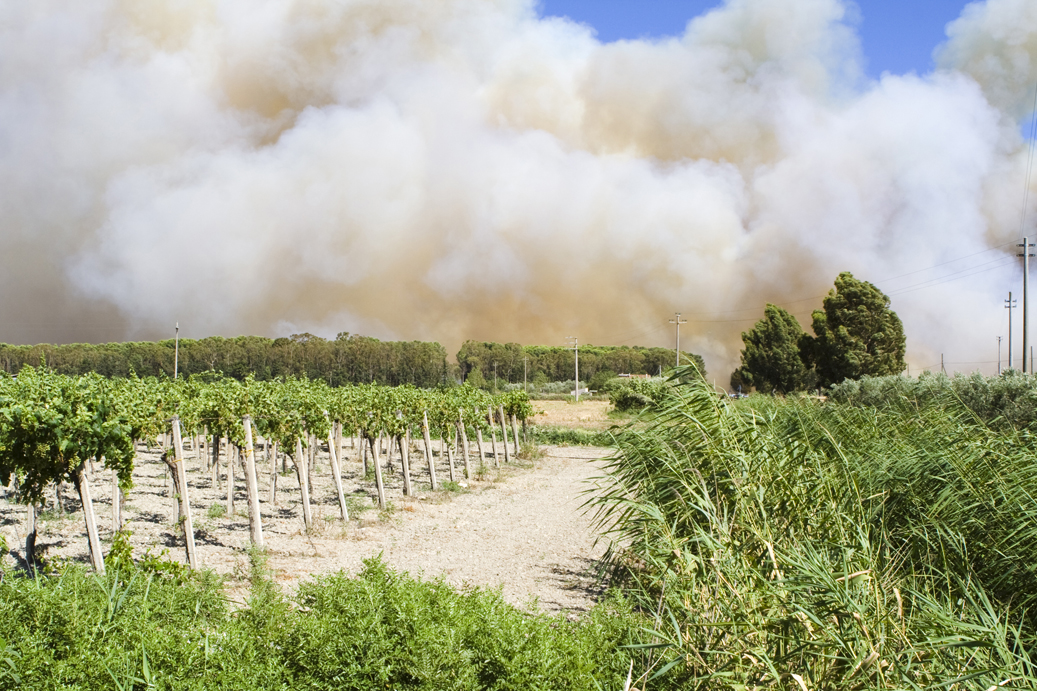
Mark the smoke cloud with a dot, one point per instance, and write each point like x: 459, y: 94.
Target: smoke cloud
x: 453, y: 169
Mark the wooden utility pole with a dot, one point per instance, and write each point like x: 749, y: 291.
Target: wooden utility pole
x: 678, y: 321
x: 576, y: 351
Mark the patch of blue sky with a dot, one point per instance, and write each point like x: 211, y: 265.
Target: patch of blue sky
x: 897, y: 36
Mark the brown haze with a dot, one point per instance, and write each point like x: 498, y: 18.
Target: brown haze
x: 452, y: 169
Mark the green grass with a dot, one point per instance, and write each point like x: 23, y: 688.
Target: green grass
x: 381, y: 629
x: 564, y: 436
x: 852, y: 547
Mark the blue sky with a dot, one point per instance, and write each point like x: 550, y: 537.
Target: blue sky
x: 897, y: 36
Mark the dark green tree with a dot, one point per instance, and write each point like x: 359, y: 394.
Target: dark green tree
x: 771, y: 360
x: 856, y: 334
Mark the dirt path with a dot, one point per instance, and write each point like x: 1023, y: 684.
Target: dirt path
x: 519, y: 528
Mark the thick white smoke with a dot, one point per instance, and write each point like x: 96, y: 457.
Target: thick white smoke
x: 452, y: 169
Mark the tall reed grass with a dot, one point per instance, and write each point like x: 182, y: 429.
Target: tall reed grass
x: 796, y: 544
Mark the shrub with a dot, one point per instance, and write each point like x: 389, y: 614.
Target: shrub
x: 844, y: 546
x: 635, y: 394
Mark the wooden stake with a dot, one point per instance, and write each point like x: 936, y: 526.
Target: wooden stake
x: 478, y: 439
x: 405, y: 461
x: 273, y: 477
x: 464, y: 448
x: 182, y: 494
x: 428, y: 450
x: 514, y: 433
x: 116, y: 503
x: 304, y: 482
x: 82, y: 482
x: 335, y: 472
x: 493, y: 439
x: 449, y: 454
x: 504, y: 432
x: 232, y: 453
x: 215, y: 461
x: 255, y: 517
x: 378, y: 474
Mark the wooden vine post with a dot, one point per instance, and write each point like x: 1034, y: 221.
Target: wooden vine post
x: 377, y: 473
x: 215, y: 461
x: 514, y: 432
x: 304, y: 482
x: 273, y: 476
x: 116, y: 503
x: 504, y: 432
x: 478, y: 439
x: 333, y: 453
x: 464, y: 445
x: 493, y: 437
x: 445, y: 450
x: 185, y: 503
x: 82, y: 483
x: 428, y: 449
x: 232, y: 460
x: 255, y: 518
x: 405, y: 461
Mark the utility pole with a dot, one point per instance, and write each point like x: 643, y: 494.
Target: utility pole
x: 999, y: 356
x: 176, y: 351
x: 678, y: 321
x: 1026, y: 245
x: 1009, y: 305
x: 576, y: 350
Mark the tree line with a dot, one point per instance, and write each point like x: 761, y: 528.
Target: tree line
x: 346, y: 359
x: 481, y: 361
x: 856, y: 335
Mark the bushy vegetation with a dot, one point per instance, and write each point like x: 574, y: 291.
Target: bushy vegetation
x: 515, y: 363
x: 569, y: 436
x: 1007, y: 400
x: 381, y: 629
x: 800, y: 544
x: 629, y: 395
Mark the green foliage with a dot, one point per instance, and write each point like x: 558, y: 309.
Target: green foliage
x: 50, y: 425
x: 476, y: 379
x: 541, y: 364
x: 381, y: 629
x: 600, y: 381
x: 842, y: 547
x: 856, y: 334
x: 120, y: 555
x: 770, y: 360
x: 346, y: 359
x: 569, y: 437
x: 216, y: 510
x: 632, y: 394
x: 1005, y: 401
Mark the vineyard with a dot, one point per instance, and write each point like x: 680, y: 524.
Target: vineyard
x: 885, y: 541
x: 241, y: 440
